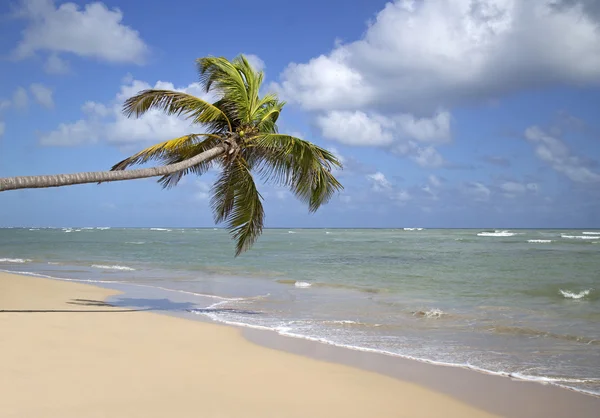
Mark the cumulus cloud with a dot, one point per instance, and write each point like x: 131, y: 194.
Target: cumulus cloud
x: 402, y: 134
x: 42, y: 95
x: 555, y: 152
x: 356, y: 128
x: 94, y: 31
x: 418, y: 56
x: 106, y: 122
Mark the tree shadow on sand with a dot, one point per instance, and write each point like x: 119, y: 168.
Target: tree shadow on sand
x: 133, y: 305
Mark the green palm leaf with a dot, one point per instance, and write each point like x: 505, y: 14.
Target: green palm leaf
x: 175, y: 103
x: 300, y: 165
x: 236, y: 200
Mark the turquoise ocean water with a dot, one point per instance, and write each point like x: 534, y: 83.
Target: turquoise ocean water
x: 519, y: 302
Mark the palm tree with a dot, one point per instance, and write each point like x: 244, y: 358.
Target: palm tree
x: 240, y: 137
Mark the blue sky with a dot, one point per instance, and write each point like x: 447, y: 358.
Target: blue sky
x: 446, y: 113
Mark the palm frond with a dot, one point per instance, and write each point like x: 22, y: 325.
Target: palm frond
x: 267, y: 114
x: 253, y: 81
x: 236, y: 200
x: 220, y: 75
x: 175, y: 103
x: 165, y: 150
x: 300, y: 165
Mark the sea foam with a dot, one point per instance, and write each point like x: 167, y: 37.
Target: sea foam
x: 431, y: 313
x: 591, y: 233
x: 579, y: 236
x: 540, y: 241
x: 572, y: 295
x: 302, y: 284
x: 15, y: 260
x: 115, y: 267
x: 497, y: 233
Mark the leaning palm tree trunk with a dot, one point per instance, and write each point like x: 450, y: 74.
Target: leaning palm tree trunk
x: 57, y: 180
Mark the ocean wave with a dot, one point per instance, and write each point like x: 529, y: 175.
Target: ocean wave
x: 347, y: 322
x: 15, y: 260
x: 287, y: 331
x: 136, y: 242
x: 413, y: 229
x: 547, y: 379
x: 291, y: 232
x: 572, y: 295
x: 161, y: 229
x: 497, y: 233
x: 302, y: 284
x: 540, y: 241
x: 34, y: 229
x: 431, y: 313
x: 115, y: 267
x: 591, y: 233
x: 579, y: 236
x: 103, y: 228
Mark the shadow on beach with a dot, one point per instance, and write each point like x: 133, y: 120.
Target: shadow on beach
x: 132, y: 305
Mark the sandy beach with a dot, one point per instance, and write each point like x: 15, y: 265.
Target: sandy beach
x: 65, y: 353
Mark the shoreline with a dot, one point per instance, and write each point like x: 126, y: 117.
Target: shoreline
x: 485, y: 392
x: 64, y: 352
x: 250, y: 328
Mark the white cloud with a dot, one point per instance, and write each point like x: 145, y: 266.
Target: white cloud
x: 379, y: 183
x: 556, y: 153
x: 93, y: 31
x: 418, y: 56
x: 106, y: 122
x: 203, y: 192
x: 255, y: 61
x: 20, y: 98
x: 56, y: 65
x: 42, y: 95
x: 403, y: 134
x: 356, y: 128
x: 477, y: 191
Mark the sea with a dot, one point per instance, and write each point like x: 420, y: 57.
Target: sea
x: 520, y: 303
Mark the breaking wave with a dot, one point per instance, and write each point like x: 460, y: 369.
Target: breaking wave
x: 431, y: 313
x: 302, y: 284
x: 539, y: 241
x: 572, y: 295
x: 15, y: 260
x: 160, y: 229
x: 579, y: 236
x: 115, y: 267
x: 496, y: 233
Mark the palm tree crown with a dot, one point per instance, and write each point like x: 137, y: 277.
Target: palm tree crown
x: 241, y: 138
x: 244, y: 123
